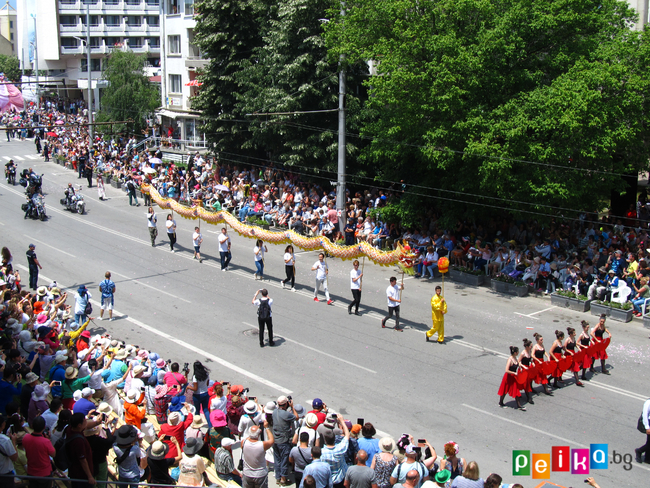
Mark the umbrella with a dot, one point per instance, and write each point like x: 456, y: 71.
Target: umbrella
x: 221, y: 188
x: 52, y: 134
x: 194, y: 83
x: 59, y: 122
x: 149, y: 170
x: 153, y: 161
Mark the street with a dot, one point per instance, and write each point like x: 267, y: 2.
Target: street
x: 169, y: 303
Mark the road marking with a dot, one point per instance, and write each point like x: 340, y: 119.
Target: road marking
x: 19, y: 158
x: 149, y: 286
x: 186, y: 345
x: 539, y: 431
x: 320, y: 352
x: 51, y: 247
x: 32, y: 156
x: 7, y: 158
x: 530, y: 315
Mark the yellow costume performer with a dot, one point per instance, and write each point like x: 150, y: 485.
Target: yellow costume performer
x: 438, y: 311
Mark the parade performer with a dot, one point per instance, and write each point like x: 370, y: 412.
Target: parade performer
x: 438, y: 311
x: 508, y: 383
x: 526, y: 362
x: 557, y: 355
x: 539, y: 353
x: 289, y: 267
x: 597, y: 336
x: 571, y: 347
x: 322, y: 271
x: 355, y: 287
x: 394, y: 300
x: 585, y: 341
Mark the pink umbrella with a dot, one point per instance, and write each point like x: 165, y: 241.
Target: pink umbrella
x: 194, y: 83
x: 59, y: 122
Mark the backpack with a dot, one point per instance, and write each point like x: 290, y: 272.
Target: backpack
x: 264, y: 310
x: 61, y: 458
x: 89, y: 308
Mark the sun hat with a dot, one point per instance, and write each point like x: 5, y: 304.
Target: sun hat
x: 443, y: 476
x: 387, y: 444
x: 311, y: 420
x: 42, y: 291
x: 76, y: 396
x: 355, y: 429
x: 174, y: 418
x: 250, y: 407
x: 161, y: 391
x: 227, y: 442
x: 31, y: 377
x: 132, y: 396
x: 40, y: 392
x: 157, y: 450
x: 236, y: 389
x: 270, y: 407
x: 300, y: 410
x: 198, y: 422
x: 121, y: 354
x: 56, y: 291
x: 125, y: 435
x: 93, y: 431
x: 71, y: 373
x: 282, y: 400
x: 60, y: 357
x: 218, y: 418
x: 139, y: 369
x: 87, y: 392
x: 192, y: 446
x: 160, y: 363
x: 41, y: 319
x: 143, y: 354
x: 410, y: 450
x: 105, y: 408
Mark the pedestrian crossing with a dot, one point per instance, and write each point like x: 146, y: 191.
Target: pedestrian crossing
x: 33, y: 157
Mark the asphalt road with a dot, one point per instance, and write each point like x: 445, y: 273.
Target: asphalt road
x: 184, y: 310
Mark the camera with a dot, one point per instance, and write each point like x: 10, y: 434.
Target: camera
x: 186, y: 367
x: 245, y: 391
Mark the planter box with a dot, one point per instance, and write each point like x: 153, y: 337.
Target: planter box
x: 646, y: 322
x: 466, y: 278
x: 509, y: 288
x: 571, y: 303
x: 617, y: 314
x: 116, y: 184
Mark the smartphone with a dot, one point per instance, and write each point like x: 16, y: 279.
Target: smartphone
x: 57, y: 383
x: 361, y: 422
x: 422, y: 441
x: 334, y: 416
x: 167, y: 438
x: 114, y: 421
x: 252, y: 398
x: 417, y: 449
x: 12, y: 429
x: 226, y: 383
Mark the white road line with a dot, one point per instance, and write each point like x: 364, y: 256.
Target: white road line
x: 1, y: 223
x: 31, y: 156
x: 539, y: 431
x: 545, y: 310
x: 47, y: 245
x: 186, y: 345
x: 152, y: 287
x: 524, y: 315
x: 7, y: 158
x: 319, y: 351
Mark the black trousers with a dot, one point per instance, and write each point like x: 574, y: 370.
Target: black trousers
x: 33, y: 277
x: 269, y: 325
x: 392, y: 310
x: 356, y: 300
x: 172, y: 240
x: 291, y: 275
x: 645, y: 449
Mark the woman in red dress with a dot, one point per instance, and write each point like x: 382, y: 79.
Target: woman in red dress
x: 585, y: 341
x: 597, y: 336
x: 571, y: 347
x: 508, y: 383
x: 557, y: 355
x: 526, y: 361
x: 539, y: 353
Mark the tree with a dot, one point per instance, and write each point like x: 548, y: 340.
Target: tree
x: 10, y: 66
x: 130, y: 94
x: 513, y: 103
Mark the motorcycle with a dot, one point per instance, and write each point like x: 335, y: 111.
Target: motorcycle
x: 10, y: 175
x: 35, y: 207
x: 75, y: 202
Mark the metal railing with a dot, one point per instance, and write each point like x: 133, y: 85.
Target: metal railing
x: 67, y: 481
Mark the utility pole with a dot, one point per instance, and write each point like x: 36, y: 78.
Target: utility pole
x: 340, y: 186
x: 38, y: 87
x: 90, y: 89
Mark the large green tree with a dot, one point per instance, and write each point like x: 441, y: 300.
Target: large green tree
x: 130, y: 95
x: 10, y: 66
x: 518, y: 100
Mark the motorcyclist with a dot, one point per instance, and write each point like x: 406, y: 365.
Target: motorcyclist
x: 69, y: 194
x: 9, y: 167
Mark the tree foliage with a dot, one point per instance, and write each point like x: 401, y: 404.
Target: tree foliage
x: 10, y: 66
x: 130, y: 94
x: 523, y: 101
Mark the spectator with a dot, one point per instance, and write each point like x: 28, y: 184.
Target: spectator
x: 127, y: 455
x: 31, y: 380
x: 175, y: 427
x: 78, y: 448
x: 7, y: 388
x: 101, y: 440
x: 8, y: 447
x: 252, y: 416
x: 384, y: 462
x: 368, y: 443
x: 411, y: 479
x: 283, y: 420
x: 85, y: 405
x: 334, y: 453
x: 255, y: 474
x: 411, y: 463
x: 452, y: 462
x: 219, y: 430
x: 360, y: 476
x: 159, y: 463
x: 191, y: 465
x: 38, y: 403
x: 317, y: 474
x: 51, y: 415
x: 300, y: 457
x: 469, y: 479
x: 223, y: 462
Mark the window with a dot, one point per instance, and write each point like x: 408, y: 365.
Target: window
x: 68, y: 2
x: 95, y: 65
x: 133, y: 2
x: 95, y: 42
x: 94, y: 20
x: 174, y: 44
x: 112, y: 2
x: 189, y: 7
x: 68, y: 43
x: 11, y: 24
x: 134, y: 21
x: 11, y: 36
x: 113, y: 20
x: 153, y: 21
x: 154, y: 42
x: 175, y: 84
x: 113, y: 42
x: 172, y: 6
x: 153, y: 3
x: 69, y: 20
x: 88, y: 2
x: 136, y: 42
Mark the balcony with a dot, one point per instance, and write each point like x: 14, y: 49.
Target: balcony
x: 113, y: 27
x: 69, y: 5
x: 134, y: 28
x: 69, y: 27
x: 152, y: 28
x: 139, y: 48
x: 72, y: 50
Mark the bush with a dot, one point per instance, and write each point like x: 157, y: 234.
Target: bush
x: 570, y: 294
x: 476, y: 272
x: 616, y: 305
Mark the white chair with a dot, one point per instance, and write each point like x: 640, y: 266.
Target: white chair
x: 620, y: 294
x: 644, y: 307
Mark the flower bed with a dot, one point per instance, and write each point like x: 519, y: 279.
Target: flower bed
x: 569, y: 299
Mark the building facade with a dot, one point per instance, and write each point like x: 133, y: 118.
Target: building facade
x: 181, y: 60
x: 8, y: 30
x: 55, y: 32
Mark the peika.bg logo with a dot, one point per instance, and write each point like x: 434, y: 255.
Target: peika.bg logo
x: 565, y: 459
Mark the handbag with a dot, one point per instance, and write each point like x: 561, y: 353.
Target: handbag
x: 89, y: 308
x: 639, y: 425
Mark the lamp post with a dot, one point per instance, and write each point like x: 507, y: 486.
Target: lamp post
x: 90, y: 89
x: 38, y: 87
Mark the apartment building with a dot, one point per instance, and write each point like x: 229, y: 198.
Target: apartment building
x: 7, y: 30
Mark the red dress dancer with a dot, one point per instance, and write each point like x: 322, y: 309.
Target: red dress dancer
x: 597, y: 336
x: 528, y: 365
x: 539, y: 353
x: 573, y: 350
x: 557, y: 352
x: 585, y: 342
x: 509, y: 383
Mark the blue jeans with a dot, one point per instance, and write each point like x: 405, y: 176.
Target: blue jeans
x: 202, y: 400
x: 79, y: 319
x: 281, y: 458
x: 429, y: 268
x: 260, y: 267
x: 135, y: 481
x: 132, y: 197
x: 638, y: 303
x: 228, y: 477
x: 225, y: 258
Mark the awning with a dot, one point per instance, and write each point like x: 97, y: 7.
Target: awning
x: 174, y: 115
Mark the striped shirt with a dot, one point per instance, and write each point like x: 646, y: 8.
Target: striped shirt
x: 335, y: 457
x: 223, y: 463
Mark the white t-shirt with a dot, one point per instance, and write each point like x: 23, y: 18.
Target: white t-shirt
x: 202, y: 386
x: 219, y: 403
x: 197, y: 238
x: 289, y: 259
x: 171, y: 226
x: 258, y: 302
x: 354, y: 285
x: 259, y: 253
x: 392, y: 292
x: 151, y: 219
x: 321, y: 269
x: 224, y: 240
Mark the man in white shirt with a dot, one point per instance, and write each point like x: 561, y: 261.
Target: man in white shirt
x: 264, y: 315
x: 355, y: 287
x: 51, y: 416
x: 394, y: 300
x: 224, y: 249
x: 9, y: 454
x: 197, y: 239
x: 645, y: 449
x: 320, y: 267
